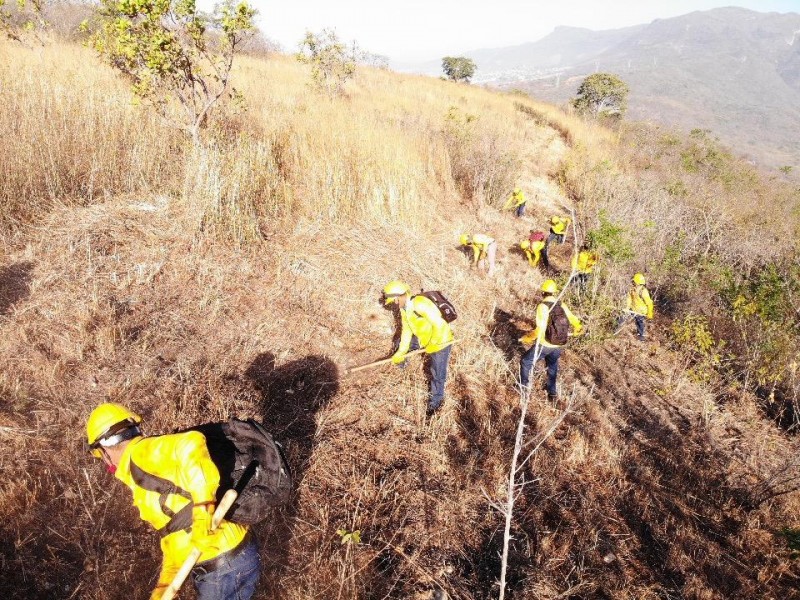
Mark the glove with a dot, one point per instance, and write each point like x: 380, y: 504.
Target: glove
x: 528, y: 339
x: 201, y: 527
x: 398, y: 359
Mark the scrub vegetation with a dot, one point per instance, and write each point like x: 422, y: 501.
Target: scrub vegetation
x: 240, y: 276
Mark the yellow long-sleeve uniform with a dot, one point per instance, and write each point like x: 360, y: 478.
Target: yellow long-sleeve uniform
x: 180, y: 465
x: 480, y: 244
x: 639, y: 301
x: 584, y: 261
x: 516, y: 199
x: 542, y: 315
x: 421, y: 317
x: 559, y: 225
x: 533, y: 250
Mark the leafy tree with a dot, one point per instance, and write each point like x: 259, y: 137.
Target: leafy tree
x: 458, y: 68
x: 175, y: 56
x: 602, y: 94
x: 331, y: 63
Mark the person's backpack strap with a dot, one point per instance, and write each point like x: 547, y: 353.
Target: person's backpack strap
x: 446, y: 309
x: 431, y: 299
x: 153, y: 483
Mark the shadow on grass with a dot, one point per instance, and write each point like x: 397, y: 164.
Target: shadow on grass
x: 14, y: 285
x: 672, y: 503
x: 505, y: 334
x: 291, y: 396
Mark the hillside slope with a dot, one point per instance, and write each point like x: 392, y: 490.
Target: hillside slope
x: 643, y: 491
x: 730, y: 70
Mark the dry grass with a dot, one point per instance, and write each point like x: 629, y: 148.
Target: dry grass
x: 135, y: 300
x: 71, y: 134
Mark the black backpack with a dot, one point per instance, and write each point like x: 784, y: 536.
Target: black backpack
x: 558, y: 326
x: 253, y: 464
x: 248, y: 460
x: 443, y: 304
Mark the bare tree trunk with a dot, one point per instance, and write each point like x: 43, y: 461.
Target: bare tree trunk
x: 519, y: 442
x: 511, y: 495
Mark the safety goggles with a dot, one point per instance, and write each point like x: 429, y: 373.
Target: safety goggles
x: 387, y: 298
x: 112, y: 439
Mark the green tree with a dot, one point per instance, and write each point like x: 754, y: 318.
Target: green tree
x: 458, y: 68
x: 602, y: 94
x: 177, y: 58
x: 331, y: 62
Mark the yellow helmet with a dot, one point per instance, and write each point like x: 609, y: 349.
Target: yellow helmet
x: 639, y: 279
x: 393, y: 289
x: 106, y: 420
x: 549, y: 287
x: 525, y: 244
x: 464, y: 239
x: 555, y: 220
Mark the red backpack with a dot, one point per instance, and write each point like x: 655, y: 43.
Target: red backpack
x: 536, y: 236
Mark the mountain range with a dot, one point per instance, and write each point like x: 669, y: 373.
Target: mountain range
x: 731, y: 70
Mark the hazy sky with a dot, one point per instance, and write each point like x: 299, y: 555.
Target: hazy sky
x: 411, y: 30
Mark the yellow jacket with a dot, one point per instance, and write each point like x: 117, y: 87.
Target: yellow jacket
x: 181, y: 461
x: 422, y: 318
x: 542, y: 314
x: 639, y: 301
x: 516, y: 199
x: 584, y: 261
x: 480, y: 243
x: 533, y: 250
x: 560, y: 227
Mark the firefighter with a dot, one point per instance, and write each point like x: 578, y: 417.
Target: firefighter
x: 484, y: 249
x: 422, y: 326
x: 638, y: 305
x: 517, y: 202
x: 174, y: 484
x: 553, y: 323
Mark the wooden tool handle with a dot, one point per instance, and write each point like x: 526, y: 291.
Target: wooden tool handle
x: 386, y: 361
x: 180, y: 577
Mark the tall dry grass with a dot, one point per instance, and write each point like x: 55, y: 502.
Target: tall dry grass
x: 71, y: 134
x: 389, y: 150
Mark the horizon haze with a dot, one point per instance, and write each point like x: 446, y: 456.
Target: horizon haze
x: 420, y: 31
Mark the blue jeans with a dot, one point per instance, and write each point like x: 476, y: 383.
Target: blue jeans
x: 521, y: 210
x: 234, y: 579
x: 639, y: 325
x: 550, y: 356
x: 638, y: 319
x: 439, y: 362
x: 581, y: 279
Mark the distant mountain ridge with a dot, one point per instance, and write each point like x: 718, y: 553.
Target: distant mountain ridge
x: 732, y: 70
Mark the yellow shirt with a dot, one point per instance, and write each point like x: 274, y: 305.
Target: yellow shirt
x: 180, y: 459
x: 422, y: 318
x: 639, y: 301
x: 517, y: 199
x: 537, y: 246
x: 542, y: 315
x: 480, y: 243
x: 560, y: 226
x: 584, y: 261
